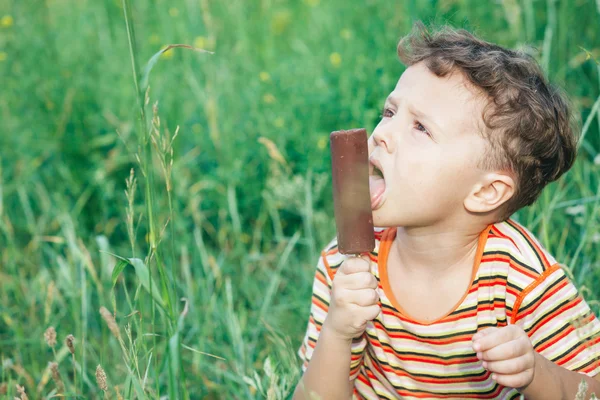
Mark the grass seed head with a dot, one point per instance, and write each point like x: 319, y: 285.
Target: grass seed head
x: 60, y: 387
x: 50, y: 336
x: 101, y: 378
x: 21, y: 391
x: 69, y: 341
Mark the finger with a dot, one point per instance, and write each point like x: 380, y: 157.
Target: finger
x: 506, y: 351
x: 371, y: 312
x: 355, y: 264
x: 363, y: 297
x: 516, y: 381
x: 510, y: 366
x: 360, y: 280
x: 495, y: 338
x: 484, y: 332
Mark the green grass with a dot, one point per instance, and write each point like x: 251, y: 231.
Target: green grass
x: 249, y: 208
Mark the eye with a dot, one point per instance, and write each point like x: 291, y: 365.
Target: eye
x: 386, y: 113
x: 421, y: 128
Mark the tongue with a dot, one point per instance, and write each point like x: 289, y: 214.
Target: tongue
x: 377, y: 187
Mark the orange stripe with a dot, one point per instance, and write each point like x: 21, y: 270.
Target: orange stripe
x: 332, y: 251
x: 329, y: 272
x: 319, y: 276
x: 577, y: 350
x: 549, y: 343
x: 421, y: 358
x: 529, y: 288
x: 591, y: 367
x: 400, y: 372
x: 454, y: 317
x: 513, y: 264
x: 320, y: 304
x: 541, y: 323
x: 545, y: 297
x: 407, y: 393
x: 408, y: 336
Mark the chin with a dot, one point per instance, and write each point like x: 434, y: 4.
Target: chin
x: 381, y: 221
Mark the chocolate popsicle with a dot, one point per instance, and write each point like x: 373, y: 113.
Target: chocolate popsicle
x: 351, y: 196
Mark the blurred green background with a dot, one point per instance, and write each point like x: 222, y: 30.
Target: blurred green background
x: 236, y: 222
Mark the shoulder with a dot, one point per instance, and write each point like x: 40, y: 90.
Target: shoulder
x: 332, y: 259
x: 531, y: 270
x: 527, y: 257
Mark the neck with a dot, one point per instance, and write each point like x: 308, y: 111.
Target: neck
x: 433, y: 251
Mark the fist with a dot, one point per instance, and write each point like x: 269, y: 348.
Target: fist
x: 507, y: 352
x: 354, y: 298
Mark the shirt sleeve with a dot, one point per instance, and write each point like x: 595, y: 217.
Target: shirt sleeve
x: 321, y: 295
x: 559, y: 322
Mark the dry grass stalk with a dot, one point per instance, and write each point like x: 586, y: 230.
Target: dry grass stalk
x: 110, y: 321
x: 119, y: 397
x: 3, y: 388
x: 49, y: 300
x: 69, y: 341
x: 130, y: 194
x: 60, y: 386
x: 50, y: 336
x: 19, y: 370
x: 21, y: 391
x: 101, y: 378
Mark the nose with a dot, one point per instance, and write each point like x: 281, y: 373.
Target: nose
x: 382, y: 136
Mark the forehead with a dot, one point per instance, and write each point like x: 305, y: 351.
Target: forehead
x: 451, y: 100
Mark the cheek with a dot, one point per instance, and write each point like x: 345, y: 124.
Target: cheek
x: 371, y: 144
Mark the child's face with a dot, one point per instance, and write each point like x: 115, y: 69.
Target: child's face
x: 428, y: 147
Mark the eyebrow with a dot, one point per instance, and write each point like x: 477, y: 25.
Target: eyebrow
x: 421, y: 115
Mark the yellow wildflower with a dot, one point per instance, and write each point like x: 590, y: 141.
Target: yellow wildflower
x: 279, y: 122
x: 6, y: 21
x: 269, y: 98
x: 335, y: 59
x: 322, y: 143
x: 264, y: 76
x: 346, y: 34
x: 167, y: 54
x: 2, y: 56
x: 312, y: 3
x: 173, y: 12
x: 154, y: 39
x: 280, y: 21
x: 200, y: 42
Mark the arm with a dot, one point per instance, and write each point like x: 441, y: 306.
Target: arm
x: 344, y: 311
x: 551, y: 381
x: 327, y: 374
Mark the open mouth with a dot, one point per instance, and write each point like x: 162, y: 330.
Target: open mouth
x: 376, y: 186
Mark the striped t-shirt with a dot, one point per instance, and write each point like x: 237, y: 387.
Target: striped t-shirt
x: 514, y: 281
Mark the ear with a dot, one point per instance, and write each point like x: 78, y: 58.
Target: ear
x: 490, y: 193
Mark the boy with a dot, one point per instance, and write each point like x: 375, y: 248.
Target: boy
x: 457, y: 300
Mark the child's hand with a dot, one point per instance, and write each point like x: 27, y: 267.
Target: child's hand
x: 508, y: 353
x: 354, y: 299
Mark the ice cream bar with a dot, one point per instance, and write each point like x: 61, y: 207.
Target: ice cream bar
x: 351, y: 197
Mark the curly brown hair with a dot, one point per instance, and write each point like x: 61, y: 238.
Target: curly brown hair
x: 528, y: 121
